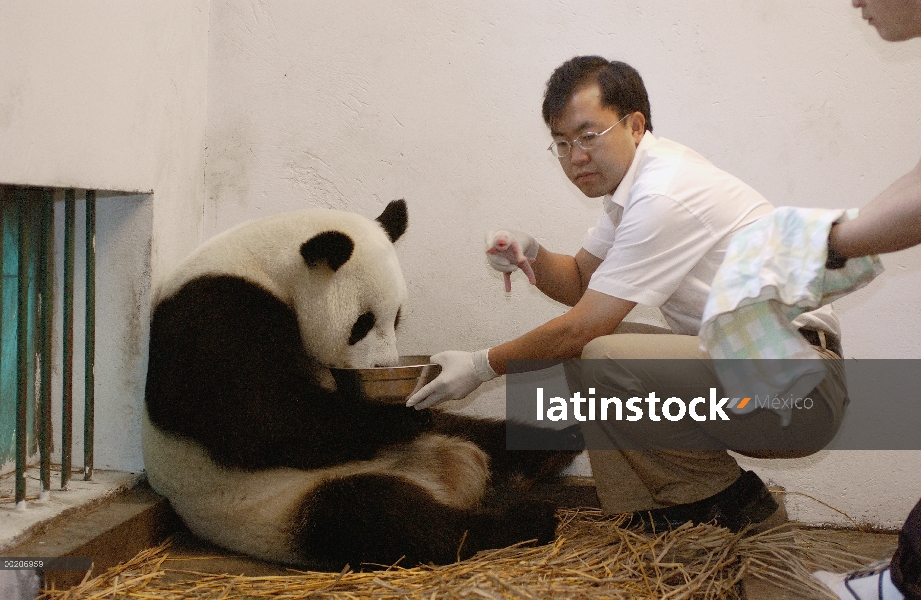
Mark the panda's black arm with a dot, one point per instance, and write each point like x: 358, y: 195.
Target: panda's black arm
x: 351, y: 429
x: 227, y: 369
x: 248, y: 420
x: 317, y: 430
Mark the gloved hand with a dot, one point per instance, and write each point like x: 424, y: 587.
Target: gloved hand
x: 507, y: 250
x: 461, y: 373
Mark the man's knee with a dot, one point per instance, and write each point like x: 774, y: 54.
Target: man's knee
x: 598, y: 348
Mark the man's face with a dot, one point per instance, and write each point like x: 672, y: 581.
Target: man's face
x: 598, y: 171
x: 895, y: 20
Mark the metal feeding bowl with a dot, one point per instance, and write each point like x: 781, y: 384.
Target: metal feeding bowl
x: 391, y: 385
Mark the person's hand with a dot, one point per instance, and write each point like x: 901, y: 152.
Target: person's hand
x: 508, y: 250
x: 461, y: 373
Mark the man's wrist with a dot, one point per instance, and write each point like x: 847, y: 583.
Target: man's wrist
x: 834, y: 260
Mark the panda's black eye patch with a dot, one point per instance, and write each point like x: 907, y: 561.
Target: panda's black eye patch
x: 361, y: 327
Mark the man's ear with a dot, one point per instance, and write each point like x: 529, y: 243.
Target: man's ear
x: 637, y: 124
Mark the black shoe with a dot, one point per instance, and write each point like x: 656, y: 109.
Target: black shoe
x: 747, y: 502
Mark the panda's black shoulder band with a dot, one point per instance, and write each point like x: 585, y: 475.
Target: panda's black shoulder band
x: 394, y: 219
x: 333, y: 247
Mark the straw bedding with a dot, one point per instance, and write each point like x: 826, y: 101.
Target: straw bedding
x: 592, y: 558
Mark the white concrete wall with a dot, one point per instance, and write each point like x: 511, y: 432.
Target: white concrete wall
x: 354, y: 103
x: 111, y: 95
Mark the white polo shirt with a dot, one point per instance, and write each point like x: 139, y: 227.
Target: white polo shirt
x: 665, y: 230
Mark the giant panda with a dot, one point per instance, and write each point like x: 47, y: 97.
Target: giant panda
x: 246, y: 435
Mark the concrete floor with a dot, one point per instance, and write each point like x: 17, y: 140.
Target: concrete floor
x: 16, y: 521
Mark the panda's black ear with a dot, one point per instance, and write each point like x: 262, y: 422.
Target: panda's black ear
x: 334, y: 247
x: 394, y: 219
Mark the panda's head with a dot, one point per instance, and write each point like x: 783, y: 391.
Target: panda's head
x: 338, y: 272
x: 352, y: 293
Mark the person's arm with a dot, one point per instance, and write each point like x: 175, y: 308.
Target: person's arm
x: 562, y: 277
x: 564, y: 337
x: 889, y: 222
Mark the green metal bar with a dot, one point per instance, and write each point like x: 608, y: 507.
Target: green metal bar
x: 46, y: 277
x: 22, y: 351
x: 88, y: 415
x: 35, y: 329
x: 4, y: 190
x: 67, y: 368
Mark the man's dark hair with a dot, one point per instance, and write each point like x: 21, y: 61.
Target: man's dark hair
x: 621, y: 87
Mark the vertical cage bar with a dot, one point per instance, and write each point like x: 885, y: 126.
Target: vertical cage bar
x: 22, y: 350
x: 3, y: 194
x: 46, y: 292
x: 67, y: 368
x: 88, y: 415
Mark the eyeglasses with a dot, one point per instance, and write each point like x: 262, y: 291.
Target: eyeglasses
x: 586, y: 141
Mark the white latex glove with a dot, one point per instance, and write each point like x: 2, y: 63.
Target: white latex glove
x: 508, y: 250
x: 461, y: 373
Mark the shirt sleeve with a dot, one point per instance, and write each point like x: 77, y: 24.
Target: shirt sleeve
x: 599, y: 238
x: 653, y: 248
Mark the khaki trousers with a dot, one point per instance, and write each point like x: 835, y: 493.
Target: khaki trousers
x: 656, y: 476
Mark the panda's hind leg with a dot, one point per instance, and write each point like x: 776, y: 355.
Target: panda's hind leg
x: 375, y: 519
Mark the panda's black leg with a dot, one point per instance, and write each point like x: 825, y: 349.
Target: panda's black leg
x: 517, y: 466
x: 378, y: 519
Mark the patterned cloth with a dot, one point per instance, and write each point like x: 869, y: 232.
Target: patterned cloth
x: 774, y: 270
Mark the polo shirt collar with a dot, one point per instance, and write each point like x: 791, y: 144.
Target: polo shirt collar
x: 620, y: 195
